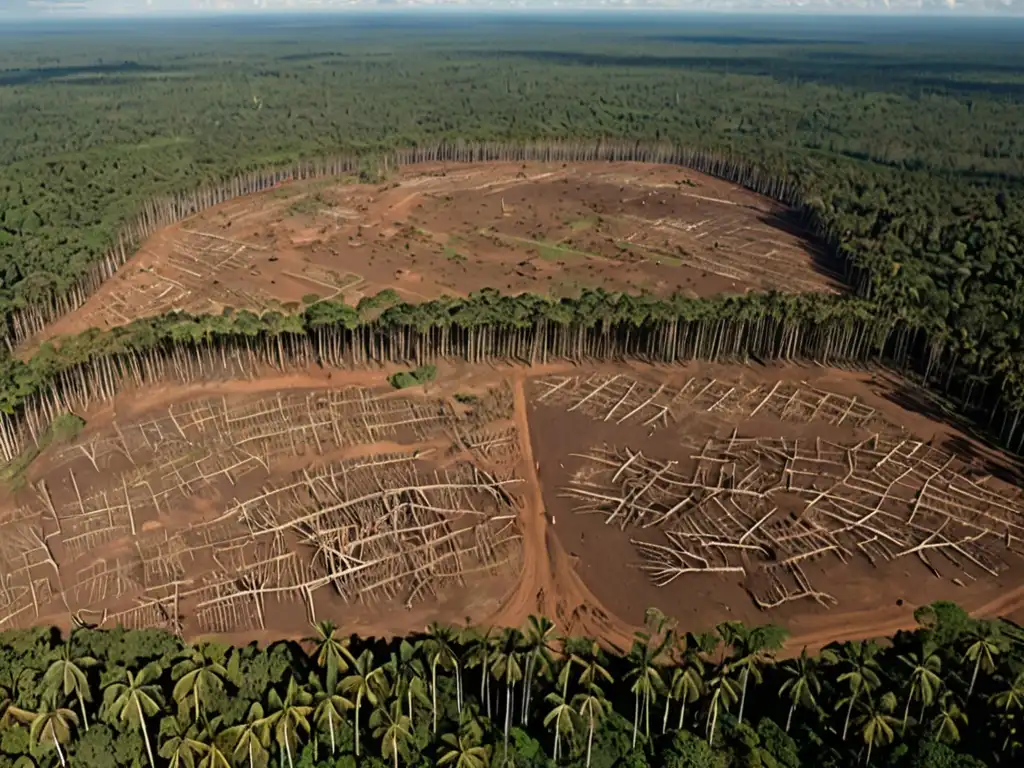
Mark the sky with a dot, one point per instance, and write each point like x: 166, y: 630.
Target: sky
x: 115, y: 8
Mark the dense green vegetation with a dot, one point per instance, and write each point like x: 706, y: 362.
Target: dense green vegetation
x: 423, y: 374
x: 948, y: 695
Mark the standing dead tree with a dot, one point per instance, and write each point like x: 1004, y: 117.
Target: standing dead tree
x: 769, y: 509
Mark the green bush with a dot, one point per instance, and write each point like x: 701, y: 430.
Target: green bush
x: 415, y: 377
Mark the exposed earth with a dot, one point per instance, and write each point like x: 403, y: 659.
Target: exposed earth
x: 434, y: 230
x: 244, y: 509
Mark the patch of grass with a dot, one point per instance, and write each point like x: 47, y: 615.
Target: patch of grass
x: 310, y: 298
x: 452, y: 255
x: 309, y: 206
x: 62, y: 429
x: 554, y: 252
x: 406, y: 379
x: 659, y: 258
x: 587, y: 222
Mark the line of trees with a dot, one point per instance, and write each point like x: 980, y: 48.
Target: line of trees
x: 947, y: 695
x: 78, y: 371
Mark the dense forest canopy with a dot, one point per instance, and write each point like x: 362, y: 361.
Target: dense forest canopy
x: 948, y: 695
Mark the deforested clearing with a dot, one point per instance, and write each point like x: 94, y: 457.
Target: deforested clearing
x: 450, y: 229
x: 245, y: 508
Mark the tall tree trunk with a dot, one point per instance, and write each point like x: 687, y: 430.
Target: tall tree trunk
x: 974, y: 676
x: 359, y: 698
x: 81, y: 705
x: 743, y: 693
x: 849, y: 711
x: 458, y: 686
x: 714, y: 722
x: 56, y: 743
x: 433, y: 690
x: 508, y: 712
x: 145, y: 736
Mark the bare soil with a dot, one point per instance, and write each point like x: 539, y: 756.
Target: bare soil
x: 551, y: 229
x: 161, y: 512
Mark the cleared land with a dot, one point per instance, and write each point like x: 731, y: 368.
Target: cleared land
x: 429, y: 231
x: 243, y: 509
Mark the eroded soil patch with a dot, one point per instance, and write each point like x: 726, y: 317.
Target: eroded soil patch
x: 551, y: 229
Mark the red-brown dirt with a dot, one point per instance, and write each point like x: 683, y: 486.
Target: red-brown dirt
x: 543, y: 228
x: 194, y: 462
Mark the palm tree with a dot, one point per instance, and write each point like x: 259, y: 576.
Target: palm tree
x: 289, y: 716
x: 407, y: 673
x: 987, y: 644
x: 1010, y: 703
x: 364, y: 682
x: 946, y: 724
x: 250, y: 740
x: 506, y: 667
x: 394, y: 729
x: 876, y: 722
x: 537, y: 640
x: 752, y: 648
x: 478, y: 654
x: 586, y: 654
x: 213, y: 755
x: 687, y: 683
x: 332, y: 653
x: 646, y: 676
x: 592, y: 707
x: 10, y: 713
x: 197, y: 676
x: 463, y: 752
x: 329, y: 708
x: 724, y: 693
x: 131, y: 698
x: 439, y: 648
x: 1011, y: 698
x: 924, y: 679
x: 66, y: 675
x: 563, y: 717
x: 178, y: 743
x: 53, y: 724
x: 802, y: 685
x: 466, y: 748
x: 861, y: 675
